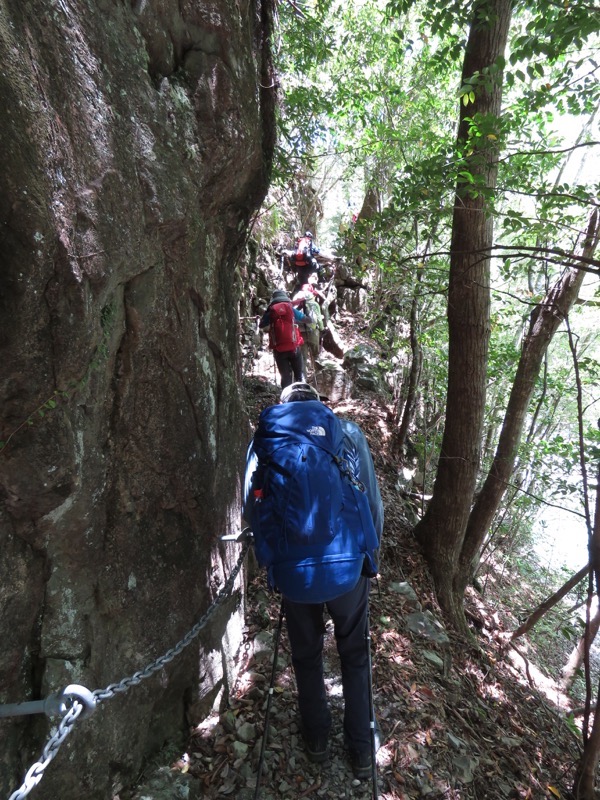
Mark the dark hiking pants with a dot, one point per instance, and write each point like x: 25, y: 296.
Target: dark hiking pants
x: 290, y: 365
x: 306, y: 629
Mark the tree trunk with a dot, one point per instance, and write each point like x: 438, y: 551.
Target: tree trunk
x: 544, y: 607
x: 575, y: 660
x: 585, y: 776
x: 441, y: 531
x: 585, y: 779
x: 413, y: 379
x: 545, y: 320
x: 370, y: 206
x: 369, y: 209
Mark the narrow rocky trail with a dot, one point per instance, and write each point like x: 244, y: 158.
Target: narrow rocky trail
x: 456, y: 721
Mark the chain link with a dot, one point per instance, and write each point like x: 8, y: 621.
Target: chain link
x: 36, y: 772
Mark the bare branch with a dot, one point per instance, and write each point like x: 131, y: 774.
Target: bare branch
x: 508, y: 156
x: 549, y: 603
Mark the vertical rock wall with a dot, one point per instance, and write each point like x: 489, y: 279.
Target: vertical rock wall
x: 135, y: 141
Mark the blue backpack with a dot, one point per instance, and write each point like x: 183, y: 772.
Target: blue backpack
x: 308, y: 510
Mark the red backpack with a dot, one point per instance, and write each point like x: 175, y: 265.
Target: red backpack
x: 303, y: 249
x: 283, y: 331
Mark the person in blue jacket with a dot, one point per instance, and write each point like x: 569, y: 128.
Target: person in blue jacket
x: 306, y: 628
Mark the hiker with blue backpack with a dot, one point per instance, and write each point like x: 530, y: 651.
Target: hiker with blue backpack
x: 285, y: 340
x: 312, y: 500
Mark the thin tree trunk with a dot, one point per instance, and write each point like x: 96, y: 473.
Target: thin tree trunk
x: 545, y: 320
x: 539, y: 401
x: 585, y: 776
x: 586, y: 772
x: 544, y: 607
x: 413, y: 378
x: 441, y: 531
x: 575, y: 660
x: 416, y: 366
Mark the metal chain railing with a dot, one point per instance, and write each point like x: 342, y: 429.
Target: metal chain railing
x: 83, y: 702
x: 35, y: 773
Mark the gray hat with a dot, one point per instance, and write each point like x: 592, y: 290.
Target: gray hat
x: 299, y: 391
x: 279, y: 296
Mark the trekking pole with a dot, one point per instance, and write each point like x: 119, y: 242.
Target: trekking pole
x: 314, y: 366
x: 372, y: 709
x: 263, y: 745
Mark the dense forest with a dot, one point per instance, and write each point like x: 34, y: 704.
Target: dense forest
x: 450, y: 154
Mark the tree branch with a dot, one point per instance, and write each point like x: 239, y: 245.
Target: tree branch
x: 508, y: 156
x: 546, y: 605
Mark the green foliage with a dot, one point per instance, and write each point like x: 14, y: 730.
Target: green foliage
x: 372, y: 94
x: 570, y: 721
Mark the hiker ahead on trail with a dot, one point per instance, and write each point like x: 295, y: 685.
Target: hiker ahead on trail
x: 285, y: 339
x: 312, y: 500
x: 306, y: 301
x: 304, y: 262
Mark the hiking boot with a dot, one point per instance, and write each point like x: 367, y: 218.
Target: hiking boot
x: 361, y: 763
x: 316, y: 748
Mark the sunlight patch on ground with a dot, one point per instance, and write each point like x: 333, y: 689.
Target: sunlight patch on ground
x: 385, y: 755
x: 529, y: 674
x: 206, y: 728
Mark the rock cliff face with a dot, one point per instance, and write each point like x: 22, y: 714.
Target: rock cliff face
x: 135, y: 142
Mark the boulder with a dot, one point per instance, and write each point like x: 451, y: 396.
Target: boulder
x: 362, y: 362
x: 333, y: 381
x: 352, y: 299
x: 332, y: 342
